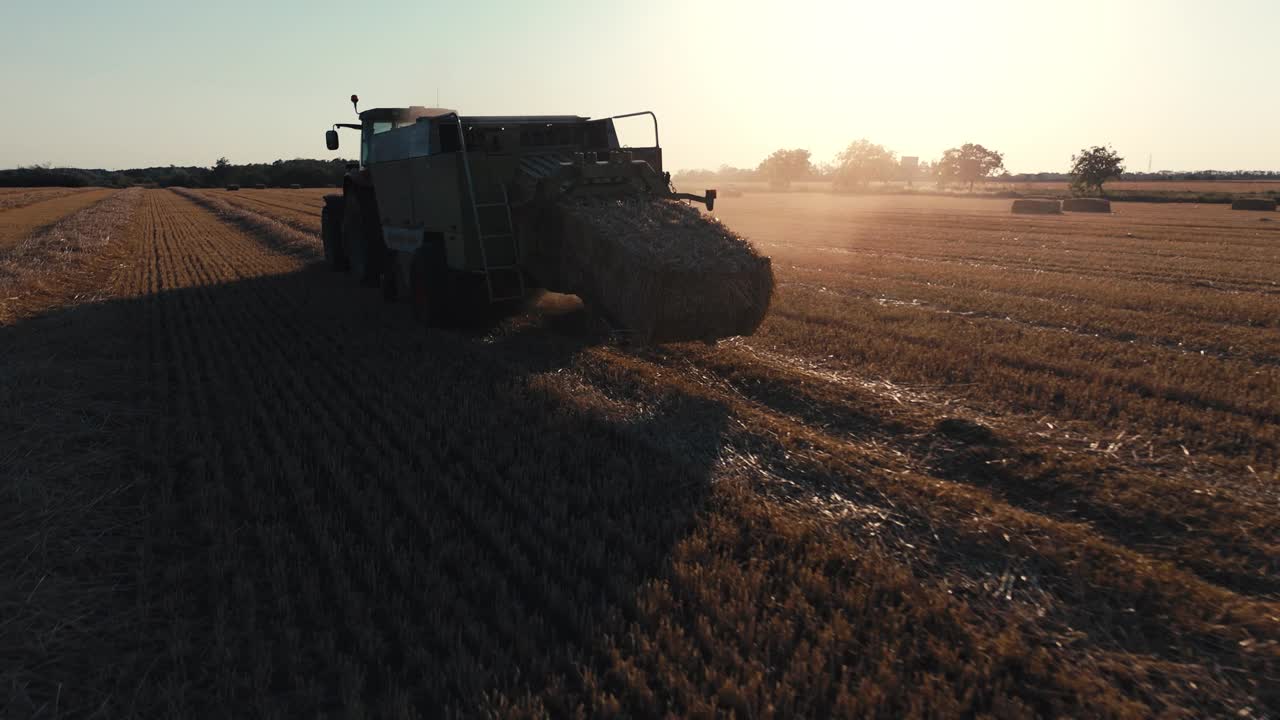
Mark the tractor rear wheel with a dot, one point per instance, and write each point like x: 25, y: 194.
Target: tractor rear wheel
x: 331, y: 232
x: 429, y: 286
x: 363, y: 242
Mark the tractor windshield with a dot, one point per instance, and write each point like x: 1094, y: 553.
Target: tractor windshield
x: 371, y: 129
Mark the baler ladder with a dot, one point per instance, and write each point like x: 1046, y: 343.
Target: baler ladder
x: 507, y: 234
x: 506, y: 239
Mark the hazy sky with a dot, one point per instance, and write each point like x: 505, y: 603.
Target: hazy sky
x: 148, y: 82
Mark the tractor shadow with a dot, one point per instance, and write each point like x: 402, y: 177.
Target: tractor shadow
x: 591, y: 484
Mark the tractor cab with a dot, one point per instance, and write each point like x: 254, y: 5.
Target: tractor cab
x: 388, y: 134
x: 378, y: 121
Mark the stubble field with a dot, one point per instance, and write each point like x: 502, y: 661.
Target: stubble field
x: 973, y: 463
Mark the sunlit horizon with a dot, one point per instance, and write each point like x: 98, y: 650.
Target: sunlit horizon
x: 1169, y: 85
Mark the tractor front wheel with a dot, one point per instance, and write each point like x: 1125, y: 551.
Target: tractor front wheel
x: 429, y: 287
x: 331, y: 232
x: 390, y: 278
x: 362, y: 241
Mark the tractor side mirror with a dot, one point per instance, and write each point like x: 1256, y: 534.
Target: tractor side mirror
x: 331, y: 139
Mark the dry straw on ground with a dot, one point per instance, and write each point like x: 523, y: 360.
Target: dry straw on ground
x: 21, y: 197
x: 56, y: 256
x: 64, y: 420
x: 919, y: 486
x: 665, y: 271
x: 1036, y: 206
x: 1097, y: 205
x: 282, y: 237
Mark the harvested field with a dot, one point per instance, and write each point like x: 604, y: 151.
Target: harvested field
x: 11, y: 198
x: 32, y: 211
x: 297, y: 209
x: 972, y: 463
x: 38, y: 270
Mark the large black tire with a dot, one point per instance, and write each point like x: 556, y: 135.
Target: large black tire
x: 331, y: 232
x: 362, y: 240
x: 390, y: 279
x: 429, y: 286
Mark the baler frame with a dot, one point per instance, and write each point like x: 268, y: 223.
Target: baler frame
x: 405, y: 193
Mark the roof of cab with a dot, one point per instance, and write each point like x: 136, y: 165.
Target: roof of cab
x: 418, y: 112
x: 414, y: 112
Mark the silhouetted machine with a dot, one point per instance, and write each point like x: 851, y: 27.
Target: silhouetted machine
x: 458, y: 213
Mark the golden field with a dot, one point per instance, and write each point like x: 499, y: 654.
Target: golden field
x: 972, y: 464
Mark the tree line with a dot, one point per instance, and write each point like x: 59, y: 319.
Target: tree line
x: 281, y: 173
x: 857, y: 166
x: 864, y: 162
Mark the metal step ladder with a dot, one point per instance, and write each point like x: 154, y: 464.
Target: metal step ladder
x: 504, y: 236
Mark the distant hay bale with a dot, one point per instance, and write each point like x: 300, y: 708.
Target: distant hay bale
x: 1037, y: 206
x: 1253, y: 203
x: 1097, y: 205
x: 233, y: 186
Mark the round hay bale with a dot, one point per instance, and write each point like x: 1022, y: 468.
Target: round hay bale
x: 1253, y: 203
x: 1037, y: 206
x: 233, y: 186
x: 1097, y: 205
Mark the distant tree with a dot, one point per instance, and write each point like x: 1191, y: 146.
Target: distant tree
x: 309, y: 173
x: 1093, y: 167
x: 729, y: 172
x: 179, y: 177
x: 221, y: 174
x: 968, y: 163
x: 784, y: 166
x: 694, y: 176
x: 862, y: 162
